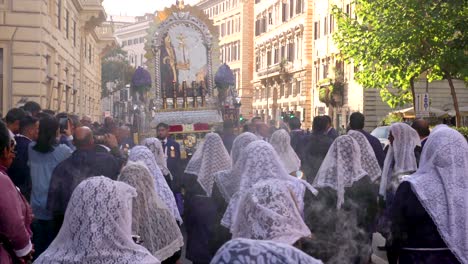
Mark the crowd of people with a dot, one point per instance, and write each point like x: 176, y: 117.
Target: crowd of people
x: 73, y: 191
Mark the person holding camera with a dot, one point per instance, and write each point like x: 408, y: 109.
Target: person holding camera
x: 85, y: 162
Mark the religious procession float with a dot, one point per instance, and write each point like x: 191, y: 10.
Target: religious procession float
x: 194, y: 93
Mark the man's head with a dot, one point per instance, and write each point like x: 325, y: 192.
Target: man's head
x: 32, y: 107
x: 123, y: 132
x: 29, y: 127
x: 83, y: 138
x: 294, y: 123
x: 320, y: 124
x: 13, y: 119
x: 263, y: 130
x: 162, y: 131
x: 7, y: 154
x: 356, y: 121
x: 422, y: 127
x: 86, y: 121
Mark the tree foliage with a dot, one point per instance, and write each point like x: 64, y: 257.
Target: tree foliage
x: 115, y: 68
x: 396, y: 41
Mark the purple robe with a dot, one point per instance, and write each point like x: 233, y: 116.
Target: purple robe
x: 15, y: 219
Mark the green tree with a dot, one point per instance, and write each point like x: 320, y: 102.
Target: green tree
x: 396, y: 41
x: 115, y: 68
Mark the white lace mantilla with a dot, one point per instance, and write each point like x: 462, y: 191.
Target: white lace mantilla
x: 441, y: 185
x: 281, y: 142
x: 228, y: 183
x: 143, y: 154
x: 400, y: 157
x: 269, y: 211
x: 211, y: 157
x: 259, y: 162
x: 368, y: 160
x: 155, y: 146
x: 98, y: 227
x: 341, y: 167
x: 151, y: 219
x: 247, y: 251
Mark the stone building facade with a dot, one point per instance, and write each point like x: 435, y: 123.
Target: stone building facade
x: 132, y: 39
x: 234, y: 19
x: 283, y: 59
x: 50, y: 52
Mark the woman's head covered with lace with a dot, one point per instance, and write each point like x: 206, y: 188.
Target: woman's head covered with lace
x: 228, y: 184
x: 400, y: 159
x: 211, y: 157
x: 441, y: 185
x: 281, y: 142
x: 98, y: 226
x: 341, y: 167
x: 259, y: 162
x: 152, y: 220
x: 368, y: 160
x: 247, y: 251
x: 155, y: 146
x: 269, y: 211
x: 144, y: 155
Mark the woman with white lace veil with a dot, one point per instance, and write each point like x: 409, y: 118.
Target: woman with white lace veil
x: 98, y: 227
x: 247, y: 251
x: 342, y: 214
x: 259, y: 162
x: 281, y: 142
x: 152, y: 220
x: 227, y: 183
x: 156, y: 148
x: 269, y: 211
x: 143, y: 154
x: 430, y: 208
x: 400, y: 160
x: 368, y: 160
x: 203, y: 202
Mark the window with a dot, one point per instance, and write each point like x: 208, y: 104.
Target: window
x: 325, y: 71
x: 332, y: 23
x: 316, y: 30
x: 142, y: 40
x: 317, y: 74
x: 229, y: 27
x: 124, y: 43
x: 298, y: 87
x: 74, y: 33
x: 291, y: 8
x: 299, y: 5
x: 89, y: 54
x: 270, y: 18
x: 223, y: 29
x: 257, y: 27
x: 291, y: 48
x: 348, y: 10
x: 67, y: 23
x: 284, y: 12
x: 325, y: 26
x: 59, y: 14
x: 136, y: 41
x: 276, y: 56
x: 257, y: 63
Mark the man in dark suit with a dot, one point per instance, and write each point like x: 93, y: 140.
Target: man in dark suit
x: 172, y: 153
x: 331, y: 132
x: 19, y: 171
x: 422, y: 127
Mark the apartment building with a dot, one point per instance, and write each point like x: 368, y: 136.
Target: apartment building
x: 50, y: 52
x: 234, y: 20
x: 282, y: 77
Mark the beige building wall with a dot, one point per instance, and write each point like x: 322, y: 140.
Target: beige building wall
x: 283, y: 59
x: 51, y: 53
x: 234, y: 19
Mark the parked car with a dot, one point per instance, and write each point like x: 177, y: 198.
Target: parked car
x: 382, y: 133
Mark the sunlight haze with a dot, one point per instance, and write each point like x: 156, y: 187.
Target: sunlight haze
x: 138, y: 7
